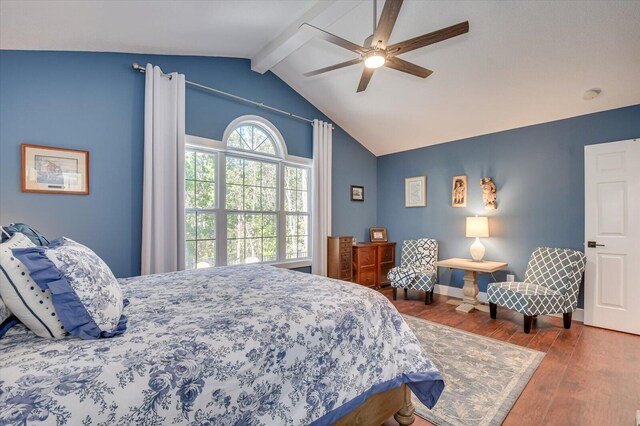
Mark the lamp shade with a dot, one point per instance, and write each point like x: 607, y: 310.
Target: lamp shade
x: 478, y: 226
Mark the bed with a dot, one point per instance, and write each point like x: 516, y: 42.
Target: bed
x: 251, y: 345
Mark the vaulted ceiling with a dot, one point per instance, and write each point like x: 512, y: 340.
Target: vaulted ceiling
x: 522, y: 62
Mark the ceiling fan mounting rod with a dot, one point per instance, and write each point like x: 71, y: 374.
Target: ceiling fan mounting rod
x: 375, y: 15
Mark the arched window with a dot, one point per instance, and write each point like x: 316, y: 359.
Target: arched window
x: 246, y: 200
x: 252, y: 137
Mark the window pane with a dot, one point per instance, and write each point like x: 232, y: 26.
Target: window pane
x: 269, y: 199
x: 205, y: 195
x: 252, y: 173
x: 234, y: 197
x: 190, y: 226
x: 290, y: 177
x: 292, y: 245
x: 301, y: 201
x: 302, y: 247
x: 234, y: 170
x: 235, y: 252
x: 303, y: 179
x: 235, y: 225
x: 253, y: 250
x: 251, y: 198
x: 206, y: 226
x: 190, y: 164
x: 297, y: 236
x: 189, y: 194
x: 252, y: 138
x: 205, y: 166
x: 289, y: 200
x: 269, y: 225
x: 269, y: 175
x: 269, y: 251
x: 190, y: 257
x: 206, y: 254
x: 253, y: 225
x: 303, y: 227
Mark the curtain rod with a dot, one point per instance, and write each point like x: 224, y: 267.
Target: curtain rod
x: 139, y: 68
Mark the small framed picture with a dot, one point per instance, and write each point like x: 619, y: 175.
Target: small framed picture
x: 415, y: 191
x: 378, y: 235
x: 357, y: 193
x: 46, y: 169
x: 459, y: 191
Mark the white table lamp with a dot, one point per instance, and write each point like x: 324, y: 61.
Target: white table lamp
x: 477, y: 227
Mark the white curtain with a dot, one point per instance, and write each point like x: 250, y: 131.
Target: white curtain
x: 163, y: 185
x: 321, y: 195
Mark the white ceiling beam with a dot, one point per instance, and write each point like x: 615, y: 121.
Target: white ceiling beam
x: 322, y: 14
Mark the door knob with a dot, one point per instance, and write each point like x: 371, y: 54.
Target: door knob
x: 593, y: 244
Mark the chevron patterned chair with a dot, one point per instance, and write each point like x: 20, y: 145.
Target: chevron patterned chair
x: 551, y: 285
x: 417, y: 270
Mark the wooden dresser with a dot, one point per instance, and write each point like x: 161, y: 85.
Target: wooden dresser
x: 371, y: 262
x: 339, y: 258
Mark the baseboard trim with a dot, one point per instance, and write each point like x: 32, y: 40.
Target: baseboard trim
x: 446, y: 290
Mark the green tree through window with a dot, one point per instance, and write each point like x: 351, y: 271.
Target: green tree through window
x: 261, y: 213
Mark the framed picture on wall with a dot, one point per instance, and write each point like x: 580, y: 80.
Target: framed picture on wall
x: 47, y: 169
x: 415, y: 191
x: 357, y: 193
x: 378, y: 235
x: 459, y: 191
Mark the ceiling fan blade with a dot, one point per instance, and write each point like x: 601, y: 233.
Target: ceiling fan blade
x: 388, y: 18
x: 333, y: 67
x: 404, y: 66
x: 331, y: 38
x: 367, y: 73
x: 427, y: 39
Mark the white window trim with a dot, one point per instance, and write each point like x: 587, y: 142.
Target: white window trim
x: 220, y: 148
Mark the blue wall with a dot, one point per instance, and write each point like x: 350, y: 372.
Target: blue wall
x: 95, y: 101
x: 539, y: 172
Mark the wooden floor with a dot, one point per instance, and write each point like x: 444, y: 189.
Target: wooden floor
x: 589, y: 376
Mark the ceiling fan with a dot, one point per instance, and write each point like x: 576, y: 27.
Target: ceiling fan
x: 375, y: 52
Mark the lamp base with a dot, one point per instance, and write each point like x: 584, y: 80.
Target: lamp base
x: 477, y: 250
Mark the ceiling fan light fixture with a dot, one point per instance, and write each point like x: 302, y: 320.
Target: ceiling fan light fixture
x: 374, y: 59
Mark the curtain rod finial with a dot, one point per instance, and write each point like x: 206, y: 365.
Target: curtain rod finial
x: 135, y: 66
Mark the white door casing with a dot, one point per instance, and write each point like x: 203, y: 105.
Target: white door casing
x: 612, y: 234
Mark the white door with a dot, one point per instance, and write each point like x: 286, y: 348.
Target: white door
x: 612, y: 233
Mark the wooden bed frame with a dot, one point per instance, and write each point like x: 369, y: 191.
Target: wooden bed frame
x: 377, y: 408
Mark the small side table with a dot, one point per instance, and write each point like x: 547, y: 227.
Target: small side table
x: 470, y: 301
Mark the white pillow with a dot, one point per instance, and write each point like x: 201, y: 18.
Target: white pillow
x: 24, y: 298
x: 85, y: 293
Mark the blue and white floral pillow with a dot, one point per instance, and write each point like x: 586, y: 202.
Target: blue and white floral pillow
x: 24, y: 298
x: 85, y: 293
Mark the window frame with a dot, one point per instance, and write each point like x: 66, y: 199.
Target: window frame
x: 220, y: 210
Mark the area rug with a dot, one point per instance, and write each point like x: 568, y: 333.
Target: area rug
x: 483, y: 377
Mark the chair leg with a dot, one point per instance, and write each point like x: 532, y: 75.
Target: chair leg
x: 528, y: 319
x: 566, y: 318
x: 395, y: 293
x: 493, y: 310
x: 428, y: 297
x: 406, y: 292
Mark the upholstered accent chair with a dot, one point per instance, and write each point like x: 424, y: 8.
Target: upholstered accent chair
x: 417, y: 270
x: 551, y: 285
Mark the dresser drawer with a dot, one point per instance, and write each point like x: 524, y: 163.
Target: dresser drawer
x: 367, y: 277
x: 385, y: 253
x: 364, y: 256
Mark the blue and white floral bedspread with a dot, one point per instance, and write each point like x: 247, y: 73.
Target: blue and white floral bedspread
x: 245, y: 345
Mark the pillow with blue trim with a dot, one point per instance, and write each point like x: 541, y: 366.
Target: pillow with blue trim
x: 24, y: 298
x: 85, y: 293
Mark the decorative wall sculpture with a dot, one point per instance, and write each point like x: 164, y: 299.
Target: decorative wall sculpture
x: 488, y: 193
